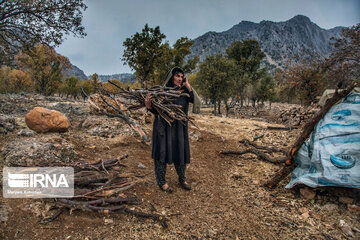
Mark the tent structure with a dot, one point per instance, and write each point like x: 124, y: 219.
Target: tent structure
x: 331, y: 155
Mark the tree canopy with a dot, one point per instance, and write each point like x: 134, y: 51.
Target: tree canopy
x: 24, y: 23
x: 45, y: 67
x: 143, y: 51
x: 215, y: 78
x: 151, y: 59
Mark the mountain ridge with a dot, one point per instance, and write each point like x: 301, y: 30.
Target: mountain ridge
x: 297, y: 38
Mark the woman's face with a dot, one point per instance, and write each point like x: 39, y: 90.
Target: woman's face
x: 178, y: 78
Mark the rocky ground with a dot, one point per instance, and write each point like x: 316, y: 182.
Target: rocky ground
x: 227, y: 201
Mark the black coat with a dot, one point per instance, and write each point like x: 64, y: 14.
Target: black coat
x: 170, y: 144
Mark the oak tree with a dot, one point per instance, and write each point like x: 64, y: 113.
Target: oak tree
x: 143, y: 52
x: 24, y: 23
x: 45, y: 67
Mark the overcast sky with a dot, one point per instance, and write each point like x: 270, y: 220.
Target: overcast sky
x: 109, y: 22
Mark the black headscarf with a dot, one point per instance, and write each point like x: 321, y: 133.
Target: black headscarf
x: 174, y: 71
x: 169, y: 82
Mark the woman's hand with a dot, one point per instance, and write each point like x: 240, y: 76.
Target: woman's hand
x: 148, y: 100
x: 187, y: 84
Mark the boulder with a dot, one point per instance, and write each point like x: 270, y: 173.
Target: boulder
x: 43, y: 120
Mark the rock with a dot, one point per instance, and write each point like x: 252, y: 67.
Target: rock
x: 26, y: 133
x: 212, y: 233
x: 32, y: 152
x: 7, y: 124
x: 237, y: 175
x: 109, y: 221
x: 346, y: 228
x: 346, y: 200
x: 44, y: 120
x: 307, y: 193
x: 195, y: 135
x: 305, y: 215
x: 256, y: 182
x: 303, y: 210
x: 140, y: 165
x: 330, y: 207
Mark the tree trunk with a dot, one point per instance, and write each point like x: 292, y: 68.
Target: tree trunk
x: 214, y: 107
x: 219, y: 104
x: 227, y: 108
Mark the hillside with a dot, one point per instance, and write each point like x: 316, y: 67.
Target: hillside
x: 295, y: 39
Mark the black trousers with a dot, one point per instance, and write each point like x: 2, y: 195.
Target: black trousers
x: 160, y: 172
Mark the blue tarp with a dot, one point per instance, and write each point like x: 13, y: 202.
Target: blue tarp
x: 331, y: 155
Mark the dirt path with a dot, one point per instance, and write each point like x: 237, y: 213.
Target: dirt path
x: 227, y: 200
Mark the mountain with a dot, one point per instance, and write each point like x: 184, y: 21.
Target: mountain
x: 297, y: 39
x: 76, y: 72
x: 123, y: 77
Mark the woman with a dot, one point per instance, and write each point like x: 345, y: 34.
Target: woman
x: 170, y: 144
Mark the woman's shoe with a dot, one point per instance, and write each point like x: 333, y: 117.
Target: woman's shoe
x: 167, y: 190
x: 185, y: 186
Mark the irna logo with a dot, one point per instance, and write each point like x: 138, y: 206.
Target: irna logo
x: 37, y: 180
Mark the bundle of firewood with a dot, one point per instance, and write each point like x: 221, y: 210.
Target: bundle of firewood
x: 163, y: 99
x: 118, y: 104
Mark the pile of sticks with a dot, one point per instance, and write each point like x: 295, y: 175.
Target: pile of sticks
x: 96, y: 187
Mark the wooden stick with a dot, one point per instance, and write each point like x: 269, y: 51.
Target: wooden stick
x: 260, y: 154
x: 269, y: 149
x: 281, y: 128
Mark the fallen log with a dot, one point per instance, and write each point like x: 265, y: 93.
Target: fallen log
x: 307, y: 129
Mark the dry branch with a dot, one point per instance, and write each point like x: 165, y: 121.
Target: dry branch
x: 307, y: 129
x: 119, y: 113
x: 281, y: 128
x: 269, y: 149
x: 254, y: 150
x: 260, y: 154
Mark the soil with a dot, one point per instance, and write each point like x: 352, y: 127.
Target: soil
x: 227, y: 200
